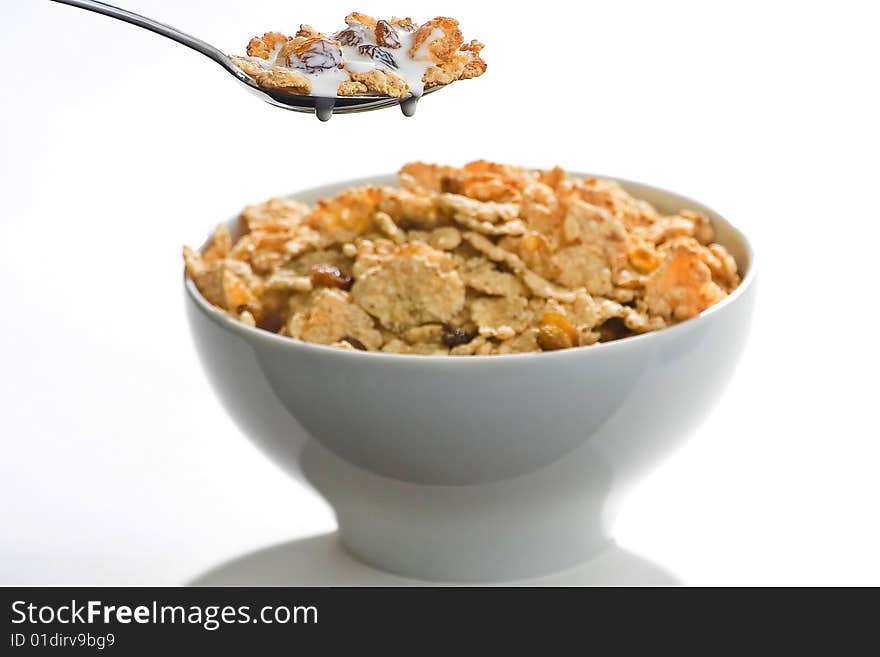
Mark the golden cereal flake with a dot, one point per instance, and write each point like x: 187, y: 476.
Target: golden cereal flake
x: 489, y: 217
x: 469, y: 348
x: 193, y: 263
x: 610, y: 195
x: 218, y: 246
x: 515, y: 227
x: 351, y: 88
x: 275, y: 77
x: 371, y: 253
x: 288, y: 280
x: 303, y: 265
x: 599, y: 245
x: 483, y: 276
x: 447, y: 72
x: 482, y: 259
x: 484, y: 212
x: 723, y: 267
x: 411, y: 210
x: 682, y: 287
x: 386, y: 224
x: 703, y: 230
x: 249, y: 66
x: 226, y: 283
x: 536, y: 252
x: 445, y: 238
x: 332, y: 317
x: 277, y: 213
x: 421, y: 177
x: 582, y: 310
x: 669, y: 227
x: 300, y: 240
x: 439, y: 50
x: 641, y: 322
x: 345, y: 216
x: 357, y: 18
x: 263, y: 46
x: 542, y: 210
x: 475, y: 65
x: 416, y: 285
x: 543, y: 288
x: 488, y: 181
x: 426, y: 333
x: 583, y: 265
x: 630, y: 280
x: 397, y: 346
x: 501, y: 317
x: 537, y: 284
x: 375, y: 81
x: 586, y: 222
x: 525, y: 342
x: 623, y: 295
x: 717, y: 259
x: 257, y: 242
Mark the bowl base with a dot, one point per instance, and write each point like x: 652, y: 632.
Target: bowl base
x: 497, y: 531
x: 323, y: 561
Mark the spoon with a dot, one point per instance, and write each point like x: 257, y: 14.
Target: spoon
x: 322, y: 107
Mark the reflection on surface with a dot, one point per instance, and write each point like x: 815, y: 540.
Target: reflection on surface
x: 322, y: 561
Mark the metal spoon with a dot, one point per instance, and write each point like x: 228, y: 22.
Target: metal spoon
x: 322, y: 107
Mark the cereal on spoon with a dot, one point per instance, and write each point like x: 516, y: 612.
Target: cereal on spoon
x: 393, y: 57
x: 478, y: 260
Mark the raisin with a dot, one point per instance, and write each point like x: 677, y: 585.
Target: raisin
x: 643, y: 259
x: 354, y: 342
x: 378, y: 55
x: 320, y: 55
x: 330, y: 276
x: 386, y: 36
x: 561, y: 321
x: 613, y: 329
x: 452, y: 337
x: 347, y: 37
x: 551, y: 338
x: 450, y: 185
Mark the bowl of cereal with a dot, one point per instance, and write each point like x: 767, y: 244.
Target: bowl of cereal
x: 471, y: 365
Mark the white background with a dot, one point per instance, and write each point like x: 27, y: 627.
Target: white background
x: 118, y: 464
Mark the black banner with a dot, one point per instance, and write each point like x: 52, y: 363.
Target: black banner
x: 129, y: 621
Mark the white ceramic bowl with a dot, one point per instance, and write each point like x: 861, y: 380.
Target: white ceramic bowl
x: 478, y: 468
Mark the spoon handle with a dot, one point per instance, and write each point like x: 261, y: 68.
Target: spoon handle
x: 159, y: 28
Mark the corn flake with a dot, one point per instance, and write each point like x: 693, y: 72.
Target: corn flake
x: 476, y: 260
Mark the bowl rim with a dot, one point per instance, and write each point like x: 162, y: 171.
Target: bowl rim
x: 287, y: 342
